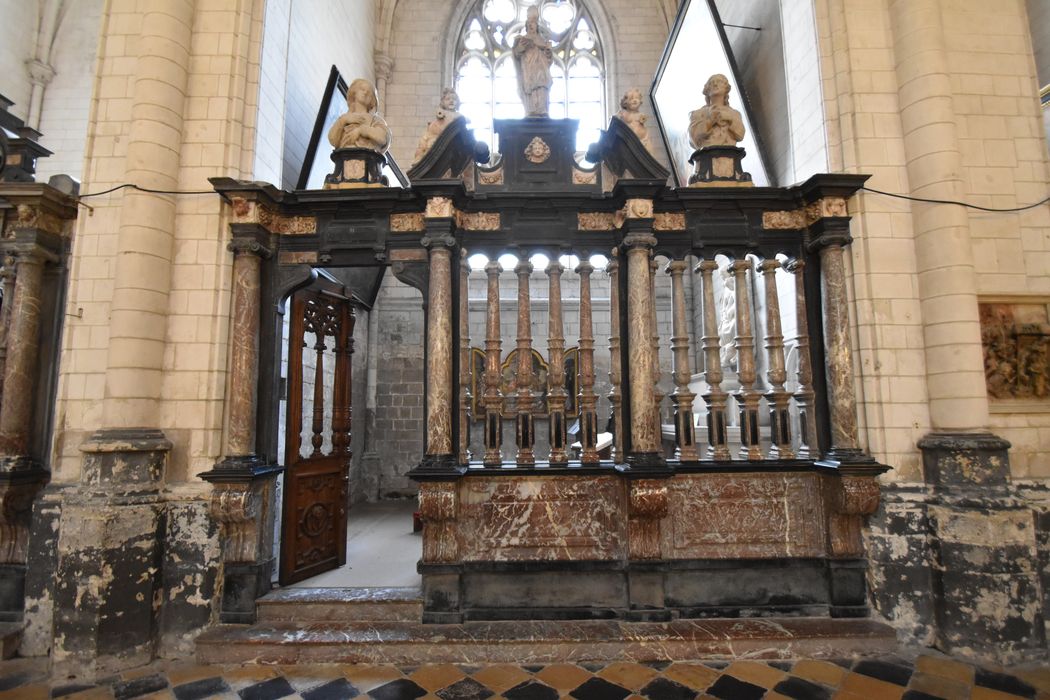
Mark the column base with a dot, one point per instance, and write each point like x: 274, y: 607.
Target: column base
x: 437, y: 467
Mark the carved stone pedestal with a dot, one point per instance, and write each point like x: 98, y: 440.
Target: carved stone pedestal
x: 356, y: 167
x: 719, y: 166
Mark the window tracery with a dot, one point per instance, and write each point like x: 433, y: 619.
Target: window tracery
x: 484, y: 69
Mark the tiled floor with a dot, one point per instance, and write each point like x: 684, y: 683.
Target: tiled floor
x: 928, y: 676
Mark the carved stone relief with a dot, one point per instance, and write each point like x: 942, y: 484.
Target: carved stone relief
x: 1016, y: 340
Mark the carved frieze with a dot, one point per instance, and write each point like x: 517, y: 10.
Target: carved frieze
x: 403, y: 223
x: 827, y: 207
x: 478, y: 220
x: 491, y: 177
x: 247, y: 211
x: 596, y: 221
x: 27, y: 216
x: 669, y: 221
x: 297, y: 257
x: 1016, y: 340
x: 584, y: 177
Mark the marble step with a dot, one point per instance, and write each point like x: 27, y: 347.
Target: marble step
x: 341, y: 605
x: 541, y: 641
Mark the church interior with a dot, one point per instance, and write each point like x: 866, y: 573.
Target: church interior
x: 562, y: 333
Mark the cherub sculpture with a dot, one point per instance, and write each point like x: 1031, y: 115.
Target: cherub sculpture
x: 630, y: 114
x: 445, y: 115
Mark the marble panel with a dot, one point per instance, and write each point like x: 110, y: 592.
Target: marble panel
x: 726, y: 516
x: 542, y: 518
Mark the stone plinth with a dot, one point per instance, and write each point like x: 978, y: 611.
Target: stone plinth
x: 719, y: 166
x: 594, y: 543
x: 356, y: 167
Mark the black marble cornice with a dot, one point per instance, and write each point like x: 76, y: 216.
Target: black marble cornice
x: 829, y: 185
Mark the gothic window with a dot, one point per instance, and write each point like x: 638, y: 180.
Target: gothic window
x: 484, y: 67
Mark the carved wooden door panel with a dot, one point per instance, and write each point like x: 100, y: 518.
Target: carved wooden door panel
x: 317, y: 444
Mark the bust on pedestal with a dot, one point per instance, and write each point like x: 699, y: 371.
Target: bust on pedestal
x: 714, y: 130
x: 361, y: 139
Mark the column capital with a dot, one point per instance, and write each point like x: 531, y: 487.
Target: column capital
x: 706, y: 266
x: 676, y: 267
x: 828, y: 234
x: 584, y: 268
x: 639, y: 239
x: 795, y: 266
x: 384, y: 65
x: 33, y: 245
x: 436, y: 241
x: 524, y: 267
x: 255, y: 244
x: 768, y: 265
x: 493, y: 267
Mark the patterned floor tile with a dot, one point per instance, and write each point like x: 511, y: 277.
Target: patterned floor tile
x: 823, y: 672
x: 436, y: 677
x: 1003, y: 682
x: 400, y: 689
x: 338, y: 689
x: 871, y: 688
x: 628, y: 675
x: 941, y: 686
x: 502, y: 677
x: 729, y: 688
x: 563, y: 677
x: 665, y: 689
x: 465, y: 689
x: 801, y: 689
x: 270, y: 689
x: 755, y: 673
x: 531, y: 690
x: 365, y: 677
x: 598, y: 688
x: 693, y: 675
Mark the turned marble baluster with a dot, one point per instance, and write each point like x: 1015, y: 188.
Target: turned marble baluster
x: 588, y: 400
x: 716, y: 397
x: 493, y: 397
x: 556, y: 395
x: 464, y: 361
x: 807, y: 428
x: 747, y: 397
x: 615, y: 393
x: 523, y: 378
x: 778, y: 399
x: 683, y: 398
x: 654, y: 333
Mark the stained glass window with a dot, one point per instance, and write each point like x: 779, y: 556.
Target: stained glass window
x: 486, y: 80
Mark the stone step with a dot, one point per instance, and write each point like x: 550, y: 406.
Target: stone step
x: 10, y: 638
x: 341, y: 605
x: 543, y: 641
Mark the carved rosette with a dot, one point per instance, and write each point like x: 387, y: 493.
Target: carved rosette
x: 437, y: 508
x: 237, y: 508
x: 647, y: 507
x: 850, y: 500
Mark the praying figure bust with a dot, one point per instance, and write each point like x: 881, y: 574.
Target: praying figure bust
x: 361, y: 139
x: 361, y: 127
x: 445, y: 115
x: 532, y: 59
x: 631, y: 115
x: 714, y: 130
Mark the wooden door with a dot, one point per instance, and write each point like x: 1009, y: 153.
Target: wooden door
x: 317, y: 441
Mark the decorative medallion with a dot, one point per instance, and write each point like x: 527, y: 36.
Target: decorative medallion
x: 584, y: 177
x: 537, y: 151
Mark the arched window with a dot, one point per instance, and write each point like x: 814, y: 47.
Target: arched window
x: 484, y: 68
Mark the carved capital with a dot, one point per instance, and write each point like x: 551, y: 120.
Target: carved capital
x: 40, y: 73
x: 639, y: 240
x: 248, y: 246
x: 384, y: 65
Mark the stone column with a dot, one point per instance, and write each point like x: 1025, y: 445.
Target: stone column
x: 244, y: 486
x: 440, y: 398
x: 683, y: 398
x: 384, y: 68
x: 715, y: 398
x: 747, y: 397
x: 7, y: 285
x: 645, y: 449
x: 493, y: 398
x: 778, y: 398
x: 523, y: 377
x: 588, y: 400
x: 615, y: 393
x: 465, y: 365
x: 807, y: 427
x: 556, y: 395
x: 842, y: 401
x: 20, y: 367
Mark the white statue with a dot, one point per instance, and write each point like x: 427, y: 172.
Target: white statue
x: 630, y: 114
x: 361, y: 127
x: 717, y: 124
x: 532, y: 59
x: 727, y: 317
x: 445, y: 115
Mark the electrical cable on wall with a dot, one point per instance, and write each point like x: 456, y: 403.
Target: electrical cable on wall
x: 925, y: 200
